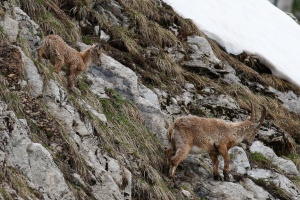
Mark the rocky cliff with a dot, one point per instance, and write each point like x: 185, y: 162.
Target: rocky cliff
x: 105, y: 139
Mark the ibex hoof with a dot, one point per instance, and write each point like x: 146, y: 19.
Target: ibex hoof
x: 226, y: 178
x: 217, y: 178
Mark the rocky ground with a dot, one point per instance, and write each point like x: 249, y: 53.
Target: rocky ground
x: 106, y: 138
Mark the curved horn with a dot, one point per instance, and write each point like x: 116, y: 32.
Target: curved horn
x: 252, y: 119
x: 263, y: 116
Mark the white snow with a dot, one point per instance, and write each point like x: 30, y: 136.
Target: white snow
x: 252, y: 26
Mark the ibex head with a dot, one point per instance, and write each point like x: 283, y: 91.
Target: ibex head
x: 96, y: 52
x: 254, y: 126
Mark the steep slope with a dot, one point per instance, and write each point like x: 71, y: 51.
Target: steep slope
x: 106, y: 139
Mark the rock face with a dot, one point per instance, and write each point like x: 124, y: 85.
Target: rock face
x: 36, y: 99
x: 287, y: 166
x: 107, y: 174
x: 113, y: 74
x: 32, y: 159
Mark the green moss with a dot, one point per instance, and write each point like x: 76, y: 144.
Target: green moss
x: 83, y: 83
x: 258, y: 157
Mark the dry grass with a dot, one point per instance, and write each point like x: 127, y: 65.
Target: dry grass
x: 146, y: 7
x: 170, y: 68
x: 280, y: 84
x: 152, y: 32
x: 2, y: 12
x: 122, y: 39
x: 51, y: 18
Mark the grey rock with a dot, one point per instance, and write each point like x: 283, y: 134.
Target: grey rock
x: 2, y: 157
x: 186, y: 193
x: 258, y: 192
x: 239, y: 161
x: 103, y: 36
x: 279, y: 180
x: 78, y: 180
x: 201, y: 48
x: 228, y: 191
x: 32, y: 159
x: 290, y: 100
x: 34, y: 78
x: 114, y: 75
x: 10, y: 28
x: 28, y: 28
x: 231, y: 77
x: 105, y: 182
x: 117, y: 76
x: 89, y: 108
x: 287, y: 166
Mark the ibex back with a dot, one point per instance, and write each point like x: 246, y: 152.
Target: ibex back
x: 191, y: 134
x: 63, y: 56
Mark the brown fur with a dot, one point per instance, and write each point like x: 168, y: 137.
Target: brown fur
x: 63, y: 56
x: 214, y: 136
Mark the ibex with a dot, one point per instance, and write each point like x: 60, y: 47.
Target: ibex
x: 194, y: 135
x: 61, y: 55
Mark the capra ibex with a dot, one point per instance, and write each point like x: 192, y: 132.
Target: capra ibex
x: 193, y: 135
x: 63, y: 56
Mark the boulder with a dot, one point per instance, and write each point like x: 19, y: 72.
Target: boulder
x: 287, y: 166
x: 258, y: 192
x: 239, y: 161
x: 277, y: 179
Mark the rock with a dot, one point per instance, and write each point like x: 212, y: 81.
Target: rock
x: 97, y: 86
x: 122, y: 176
x: 231, y: 77
x: 111, y: 11
x: 34, y: 78
x: 287, y: 166
x: 77, y: 180
x: 290, y: 100
x: 125, y: 82
x: 106, y: 184
x: 2, y: 157
x: 28, y: 29
x: 203, y: 59
x: 258, y: 192
x: 150, y: 96
x: 186, y: 193
x: 274, y: 137
x: 8, y: 189
x: 104, y: 36
x: 117, y: 76
x: 278, y: 180
x: 239, y: 161
x: 154, y: 118
x: 89, y: 108
x: 201, y: 48
x: 10, y: 28
x: 32, y: 159
x: 228, y: 191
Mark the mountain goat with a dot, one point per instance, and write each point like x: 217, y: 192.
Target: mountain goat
x: 55, y: 49
x: 194, y: 135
